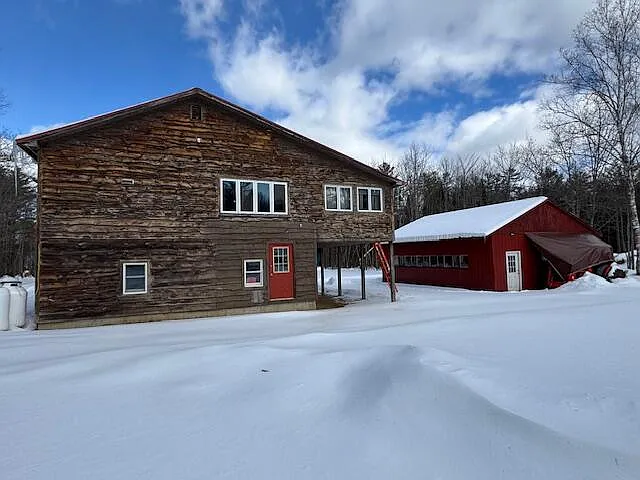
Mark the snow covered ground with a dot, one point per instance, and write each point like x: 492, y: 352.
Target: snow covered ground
x: 444, y: 384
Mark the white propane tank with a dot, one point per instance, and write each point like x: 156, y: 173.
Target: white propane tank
x: 4, y: 307
x: 17, y: 305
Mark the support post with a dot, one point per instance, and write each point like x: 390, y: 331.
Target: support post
x: 339, y: 271
x: 392, y: 270
x: 363, y: 283
x: 322, y: 271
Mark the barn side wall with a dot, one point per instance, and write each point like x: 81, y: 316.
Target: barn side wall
x: 479, y: 275
x: 544, y: 218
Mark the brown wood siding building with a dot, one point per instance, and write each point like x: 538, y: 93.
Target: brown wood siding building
x: 143, y: 185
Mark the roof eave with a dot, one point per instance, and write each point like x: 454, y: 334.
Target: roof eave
x: 31, y: 148
x: 438, y: 238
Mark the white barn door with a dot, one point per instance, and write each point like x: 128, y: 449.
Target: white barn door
x: 514, y: 271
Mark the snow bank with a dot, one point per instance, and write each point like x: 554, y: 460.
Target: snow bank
x: 446, y: 383
x: 588, y: 282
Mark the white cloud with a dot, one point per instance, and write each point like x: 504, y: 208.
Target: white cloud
x: 483, y: 131
x: 264, y: 73
x: 413, y: 45
x: 432, y: 41
x: 201, y: 16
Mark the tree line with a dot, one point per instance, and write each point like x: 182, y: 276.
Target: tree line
x: 588, y: 165
x: 594, y: 192
x: 17, y: 214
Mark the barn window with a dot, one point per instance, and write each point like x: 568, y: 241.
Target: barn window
x: 253, y: 273
x: 337, y: 198
x: 434, y: 261
x: 369, y: 199
x: 252, y: 196
x: 196, y: 112
x: 134, y: 278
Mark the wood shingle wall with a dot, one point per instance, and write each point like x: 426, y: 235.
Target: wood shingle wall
x: 92, y: 218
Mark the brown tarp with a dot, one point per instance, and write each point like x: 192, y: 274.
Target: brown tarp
x: 570, y: 252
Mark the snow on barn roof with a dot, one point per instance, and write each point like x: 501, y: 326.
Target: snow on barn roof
x: 467, y: 223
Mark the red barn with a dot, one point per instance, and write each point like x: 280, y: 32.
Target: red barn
x: 506, y: 246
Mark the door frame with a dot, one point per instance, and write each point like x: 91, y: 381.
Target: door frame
x: 291, y: 272
x: 518, y: 254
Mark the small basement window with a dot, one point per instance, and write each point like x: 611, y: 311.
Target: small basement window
x: 134, y: 278
x: 253, y: 273
x: 196, y: 112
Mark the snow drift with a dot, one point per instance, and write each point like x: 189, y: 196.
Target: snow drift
x: 445, y: 384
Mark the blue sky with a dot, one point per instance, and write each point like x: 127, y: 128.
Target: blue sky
x: 365, y: 76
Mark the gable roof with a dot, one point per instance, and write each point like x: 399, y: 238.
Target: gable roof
x: 478, y: 222
x: 30, y: 142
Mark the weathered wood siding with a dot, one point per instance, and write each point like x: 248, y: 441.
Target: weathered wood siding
x: 90, y: 221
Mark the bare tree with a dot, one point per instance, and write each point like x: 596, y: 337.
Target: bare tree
x: 4, y: 103
x: 412, y: 168
x: 598, y: 88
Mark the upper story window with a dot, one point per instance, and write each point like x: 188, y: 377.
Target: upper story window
x: 196, y: 112
x: 253, y: 196
x: 337, y: 198
x: 369, y: 199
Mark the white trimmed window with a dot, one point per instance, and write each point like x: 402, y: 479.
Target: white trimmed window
x: 337, y: 198
x: 369, y: 199
x: 253, y: 273
x: 135, y: 278
x: 253, y: 197
x: 434, y: 261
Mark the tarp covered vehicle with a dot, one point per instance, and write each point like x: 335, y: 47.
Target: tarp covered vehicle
x: 569, y: 255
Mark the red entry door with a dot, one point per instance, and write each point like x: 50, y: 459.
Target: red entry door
x: 281, y: 277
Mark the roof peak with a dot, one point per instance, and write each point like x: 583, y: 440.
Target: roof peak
x: 29, y: 142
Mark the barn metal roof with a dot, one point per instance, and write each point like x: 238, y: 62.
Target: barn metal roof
x: 478, y: 222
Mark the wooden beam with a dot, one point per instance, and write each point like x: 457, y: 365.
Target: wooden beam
x: 363, y: 285
x: 392, y: 268
x: 322, y: 271
x: 339, y: 271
